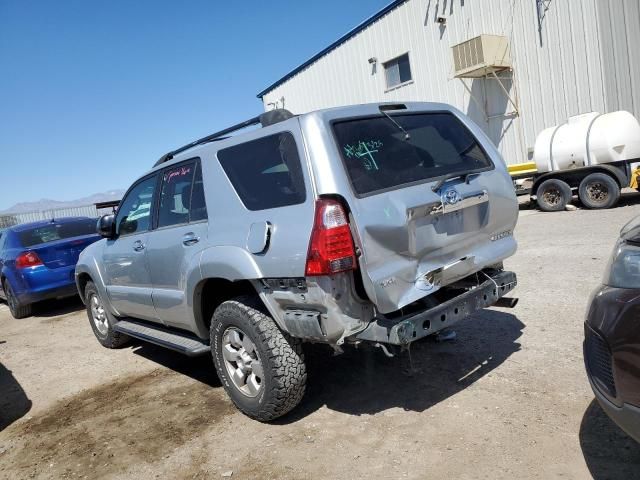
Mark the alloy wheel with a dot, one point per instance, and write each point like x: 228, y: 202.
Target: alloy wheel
x: 99, y: 315
x: 242, y: 362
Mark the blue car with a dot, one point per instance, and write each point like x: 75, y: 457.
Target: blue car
x: 38, y: 260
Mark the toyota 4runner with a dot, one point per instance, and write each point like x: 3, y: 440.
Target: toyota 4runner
x: 380, y: 223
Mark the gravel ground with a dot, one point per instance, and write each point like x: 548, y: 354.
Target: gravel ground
x: 508, y: 399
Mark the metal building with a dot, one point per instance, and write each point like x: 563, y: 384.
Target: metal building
x: 515, y: 66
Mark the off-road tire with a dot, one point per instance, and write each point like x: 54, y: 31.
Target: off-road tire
x: 110, y: 338
x: 553, y: 195
x: 281, y: 356
x: 17, y: 310
x: 599, y: 191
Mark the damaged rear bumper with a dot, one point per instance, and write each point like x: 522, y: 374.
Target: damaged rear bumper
x: 404, y: 330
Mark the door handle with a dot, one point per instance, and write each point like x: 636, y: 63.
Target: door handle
x: 190, y: 239
x: 138, y: 246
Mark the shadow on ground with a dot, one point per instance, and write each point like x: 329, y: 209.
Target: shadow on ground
x: 14, y: 403
x: 629, y: 197
x: 200, y: 368
x: 49, y: 309
x: 609, y: 452
x: 365, y: 381
x: 525, y: 203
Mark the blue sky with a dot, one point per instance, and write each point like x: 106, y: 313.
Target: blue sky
x: 92, y: 93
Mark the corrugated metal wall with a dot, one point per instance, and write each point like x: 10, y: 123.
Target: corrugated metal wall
x: 557, y: 73
x: 619, y: 25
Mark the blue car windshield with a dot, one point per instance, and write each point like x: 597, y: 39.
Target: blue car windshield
x: 54, y: 231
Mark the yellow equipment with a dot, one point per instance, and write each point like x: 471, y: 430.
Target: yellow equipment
x: 521, y: 170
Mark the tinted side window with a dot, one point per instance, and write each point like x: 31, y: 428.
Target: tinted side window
x: 175, y: 198
x: 198, y: 208
x: 134, y: 214
x: 266, y: 173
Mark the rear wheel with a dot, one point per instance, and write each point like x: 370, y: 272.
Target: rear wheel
x: 553, y: 195
x: 261, y: 369
x: 101, y: 320
x: 17, y: 310
x: 599, y: 190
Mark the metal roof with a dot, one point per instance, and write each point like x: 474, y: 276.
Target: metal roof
x: 351, y: 33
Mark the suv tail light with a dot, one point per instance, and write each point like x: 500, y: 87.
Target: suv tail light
x: 331, y: 247
x: 28, y: 259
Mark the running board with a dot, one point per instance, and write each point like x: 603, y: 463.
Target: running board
x: 180, y: 342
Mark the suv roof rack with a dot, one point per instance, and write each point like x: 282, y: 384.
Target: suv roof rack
x: 265, y: 119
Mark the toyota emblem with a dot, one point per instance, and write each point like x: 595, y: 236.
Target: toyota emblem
x: 451, y: 197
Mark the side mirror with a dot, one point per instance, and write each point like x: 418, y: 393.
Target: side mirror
x: 107, y: 226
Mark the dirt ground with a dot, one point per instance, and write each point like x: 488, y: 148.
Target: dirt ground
x: 508, y: 399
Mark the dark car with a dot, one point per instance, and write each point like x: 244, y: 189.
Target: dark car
x: 38, y: 260
x: 612, y: 334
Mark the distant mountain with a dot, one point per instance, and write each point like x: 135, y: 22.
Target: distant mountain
x: 48, y: 204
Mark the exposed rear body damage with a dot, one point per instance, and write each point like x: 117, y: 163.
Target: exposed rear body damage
x: 381, y: 222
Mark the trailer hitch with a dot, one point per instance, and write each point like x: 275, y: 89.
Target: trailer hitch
x: 506, y: 302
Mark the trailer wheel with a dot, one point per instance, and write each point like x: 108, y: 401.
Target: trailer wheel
x: 553, y: 195
x: 599, y: 190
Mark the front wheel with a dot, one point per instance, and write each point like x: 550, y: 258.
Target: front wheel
x: 101, y: 320
x: 261, y: 369
x: 599, y: 190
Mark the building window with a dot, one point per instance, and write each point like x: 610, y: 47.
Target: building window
x: 397, y: 71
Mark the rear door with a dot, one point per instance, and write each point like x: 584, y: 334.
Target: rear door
x: 427, y: 202
x: 266, y: 206
x: 125, y: 263
x: 174, y: 244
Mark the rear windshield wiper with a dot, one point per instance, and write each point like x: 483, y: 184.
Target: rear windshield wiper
x: 406, y: 134
x: 445, y: 179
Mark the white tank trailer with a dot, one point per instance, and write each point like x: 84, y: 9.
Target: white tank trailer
x: 593, y: 153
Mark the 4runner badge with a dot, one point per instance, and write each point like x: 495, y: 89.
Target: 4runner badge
x: 451, y: 197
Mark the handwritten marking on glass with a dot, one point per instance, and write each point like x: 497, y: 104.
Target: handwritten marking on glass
x: 364, y: 150
x: 180, y: 172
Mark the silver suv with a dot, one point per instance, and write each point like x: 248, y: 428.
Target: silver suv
x: 380, y: 223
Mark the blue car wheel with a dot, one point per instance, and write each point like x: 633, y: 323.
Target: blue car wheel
x: 17, y: 310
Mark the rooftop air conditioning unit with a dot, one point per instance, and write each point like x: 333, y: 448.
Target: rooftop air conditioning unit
x: 480, y: 56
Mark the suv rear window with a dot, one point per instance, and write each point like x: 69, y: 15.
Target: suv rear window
x: 381, y: 153
x: 266, y: 173
x: 53, y: 232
